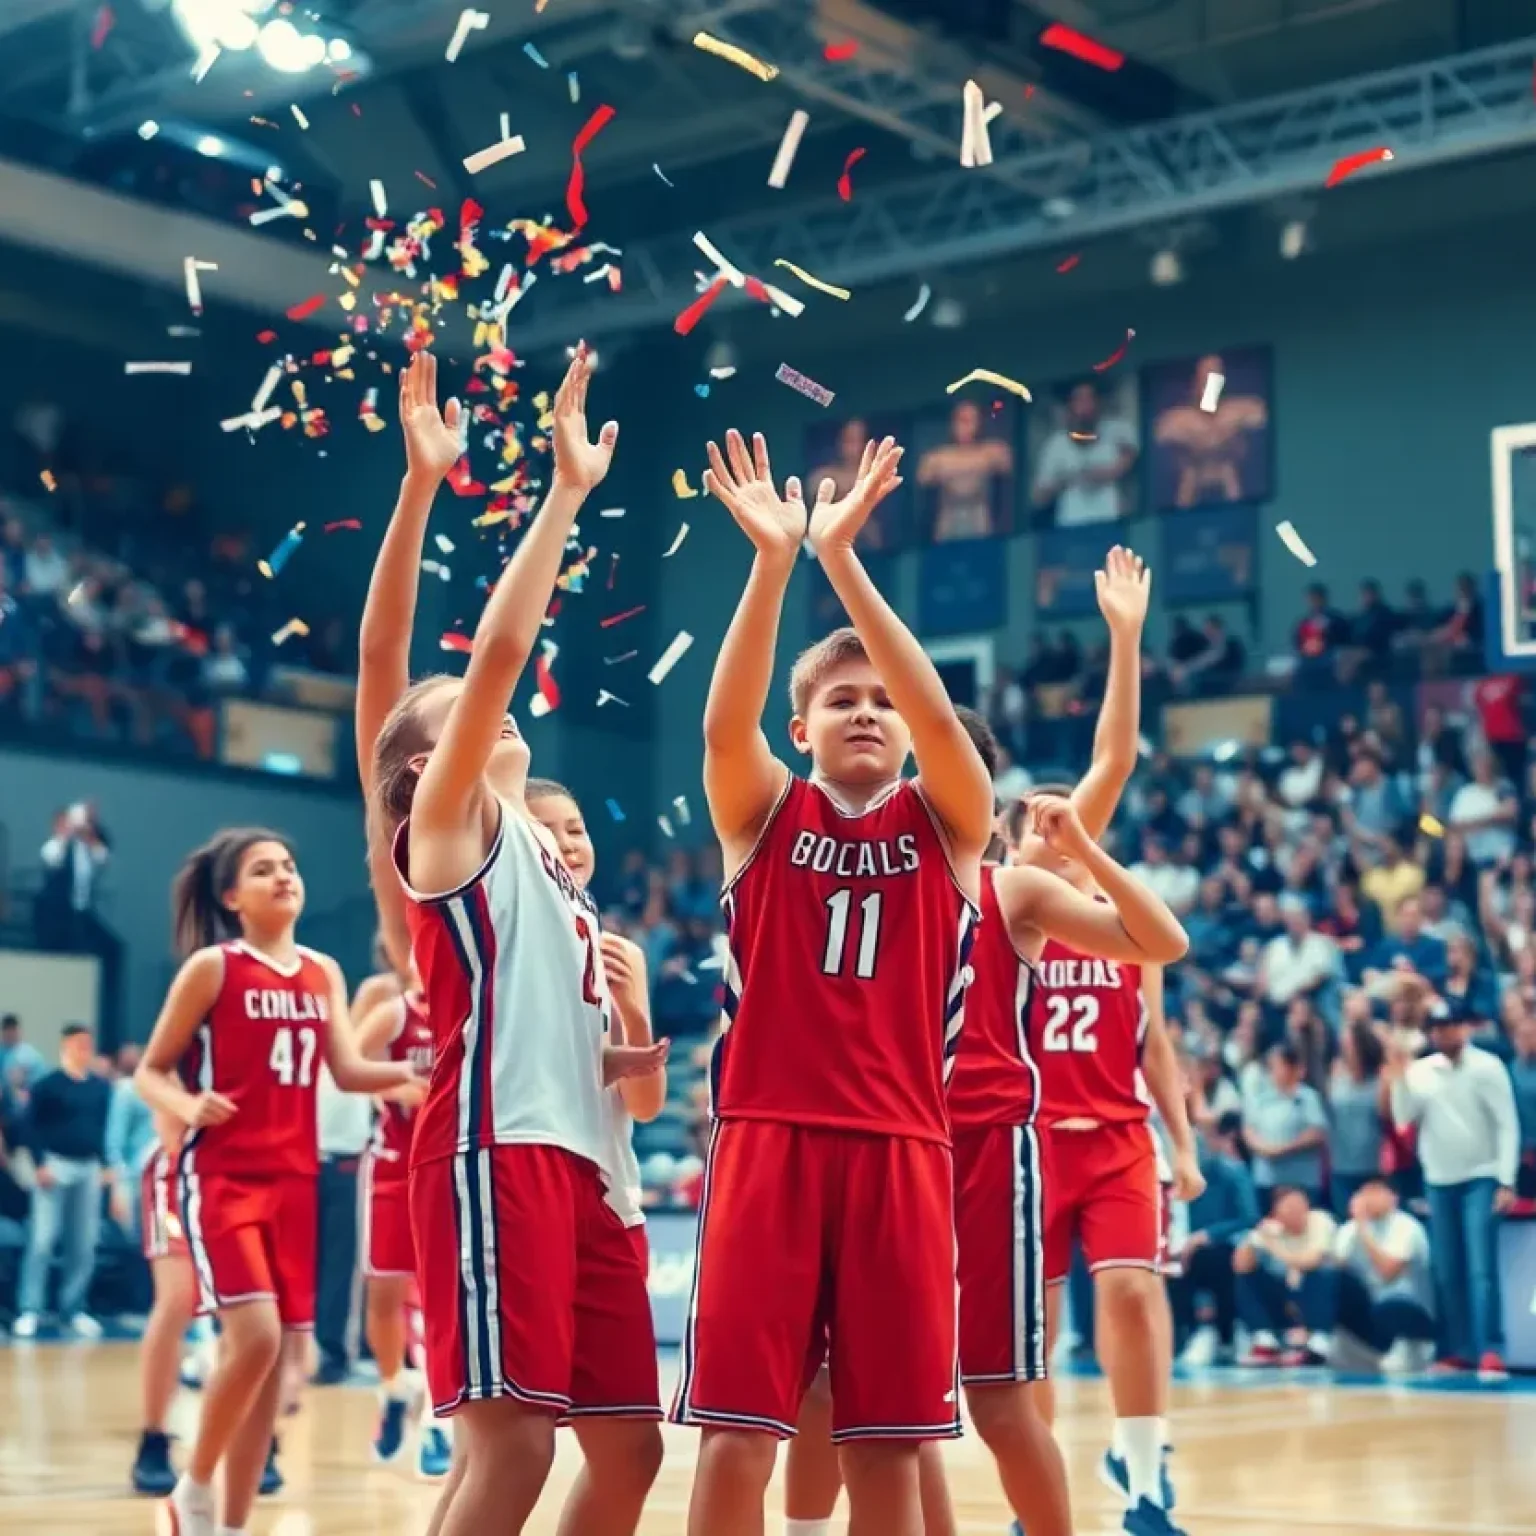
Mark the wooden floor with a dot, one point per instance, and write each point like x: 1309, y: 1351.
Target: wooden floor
x: 1274, y: 1458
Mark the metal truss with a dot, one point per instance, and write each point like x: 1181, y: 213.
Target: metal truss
x: 1060, y: 195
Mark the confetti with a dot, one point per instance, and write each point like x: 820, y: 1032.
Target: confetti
x: 252, y: 421
x: 452, y: 640
x: 807, y: 387
x: 663, y: 175
x: 534, y: 54
x: 611, y: 512
x: 309, y: 306
x: 618, y: 618
x: 734, y: 55
x: 680, y: 805
x: 574, y: 203
x: 670, y: 657
x: 263, y: 394
x: 840, y: 53
x: 1294, y: 542
x: 280, y: 556
x: 677, y: 543
x: 49, y: 483
x: 503, y: 149
x: 975, y: 142
x: 182, y: 369
x: 1067, y: 263
x: 921, y: 303
x: 702, y: 391
x: 548, y: 697
x: 845, y: 181
x: 380, y: 201
x: 690, y: 317
x: 469, y: 21
x: 1350, y: 164
x: 604, y: 697
x: 666, y: 827
x: 1211, y: 396
x: 613, y: 661
x: 345, y: 522
x: 615, y: 810
x: 204, y: 62
x: 789, y: 146
x: 289, y: 630
x: 298, y: 115
x: 1430, y: 826
x: 1065, y: 39
x: 182, y: 331
x: 707, y: 247
x: 987, y: 376
x: 680, y: 487
x: 289, y: 210
x: 103, y: 24
x: 814, y: 282
x: 726, y: 372
x: 148, y: 129
x: 573, y: 85
x: 190, y: 267
x: 1119, y: 352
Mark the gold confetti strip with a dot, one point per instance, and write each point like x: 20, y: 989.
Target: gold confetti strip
x: 987, y: 376
x: 680, y: 487
x: 814, y: 282
x: 737, y: 56
x: 1430, y: 827
x: 289, y: 630
x: 51, y: 485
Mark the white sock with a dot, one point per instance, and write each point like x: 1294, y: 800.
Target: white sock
x: 807, y: 1527
x: 399, y: 1388
x: 231, y: 1530
x: 1142, y: 1446
x: 193, y: 1495
x: 1164, y: 1434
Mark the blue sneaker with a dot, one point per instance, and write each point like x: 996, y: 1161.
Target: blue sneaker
x: 1114, y: 1473
x: 389, y: 1436
x: 1146, y: 1519
x: 271, y: 1478
x: 434, y: 1451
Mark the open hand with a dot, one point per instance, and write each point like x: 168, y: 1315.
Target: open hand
x: 580, y: 464
x: 775, y: 524
x: 432, y: 444
x: 1123, y: 587
x: 839, y: 522
x: 621, y: 1061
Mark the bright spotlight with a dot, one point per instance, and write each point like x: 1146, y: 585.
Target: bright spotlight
x: 210, y: 146
x: 1293, y: 239
x: 1167, y: 268
x: 339, y: 50
x: 283, y: 47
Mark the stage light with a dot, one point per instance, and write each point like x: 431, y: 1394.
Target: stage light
x: 210, y: 146
x: 1167, y: 267
x: 1293, y: 238
x: 229, y: 24
x: 338, y: 51
x: 281, y: 46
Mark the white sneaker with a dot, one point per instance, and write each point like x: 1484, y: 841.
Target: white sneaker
x: 188, y: 1512
x: 1320, y: 1345
x: 1401, y: 1360
x: 25, y: 1326
x: 84, y: 1326
x: 1200, y: 1351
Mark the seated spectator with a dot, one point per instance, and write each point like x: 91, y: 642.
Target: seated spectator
x: 1284, y: 1290
x: 1354, y: 929
x: 1177, y: 884
x: 1217, y: 666
x: 1468, y: 986
x: 1357, y: 1103
x: 1407, y: 948
x: 1522, y: 1076
x: 1212, y: 927
x: 1303, y: 778
x: 1226, y: 1210
x: 1319, y: 633
x: 1286, y: 1129
x: 1375, y: 808
x: 1206, y: 802
x: 686, y: 993
x: 1416, y: 620
x: 45, y: 571
x: 1299, y: 962
x: 1486, y: 812
x: 1385, y: 1293
x: 1456, y: 642
x: 1307, y: 1034
x: 224, y: 669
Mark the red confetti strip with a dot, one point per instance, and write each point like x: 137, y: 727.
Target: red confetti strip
x: 1345, y: 168
x: 1066, y: 40
x: 576, y: 186
x: 845, y: 182
x: 840, y: 53
x: 470, y: 213
x: 307, y: 308
x: 454, y: 641
x: 619, y: 618
x: 266, y: 338
x: 1119, y: 352
x: 461, y: 478
x: 105, y: 21
x: 1068, y: 263
x: 691, y: 316
x: 345, y: 522
x: 549, y: 689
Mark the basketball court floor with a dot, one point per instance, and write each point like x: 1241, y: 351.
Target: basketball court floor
x: 1272, y: 1455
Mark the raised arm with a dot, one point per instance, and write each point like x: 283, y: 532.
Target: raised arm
x: 953, y: 776
x: 193, y: 993
x: 1165, y: 1082
x: 1123, y: 587
x: 447, y: 804
x: 742, y: 777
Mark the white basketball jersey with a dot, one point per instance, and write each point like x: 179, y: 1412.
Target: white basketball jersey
x: 621, y: 1168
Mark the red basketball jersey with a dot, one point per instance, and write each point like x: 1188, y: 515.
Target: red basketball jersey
x: 392, y: 1130
x: 262, y: 1046
x: 1085, y: 1031
x: 849, y: 939
x: 994, y: 1079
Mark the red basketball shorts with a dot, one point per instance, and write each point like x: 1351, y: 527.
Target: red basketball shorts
x: 386, y: 1209
x: 252, y: 1239
x: 999, y: 1233
x: 819, y: 1242
x: 642, y: 1246
x: 159, y: 1214
x: 1102, y: 1189
x: 531, y: 1287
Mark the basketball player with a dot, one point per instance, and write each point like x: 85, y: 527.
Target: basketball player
x: 234, y: 1058
x: 533, y: 1296
x: 174, y: 1307
x: 827, y: 1212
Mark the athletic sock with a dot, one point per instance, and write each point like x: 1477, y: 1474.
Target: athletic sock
x: 1140, y: 1442
x: 1164, y: 1434
x: 807, y: 1527
x: 193, y: 1494
x: 398, y: 1388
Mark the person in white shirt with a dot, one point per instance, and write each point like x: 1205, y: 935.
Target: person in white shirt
x: 1461, y: 1100
x: 1176, y: 884
x: 1085, y: 463
x: 1386, y: 1290
x: 1485, y: 812
x: 1300, y: 961
x: 1283, y: 1284
x: 1299, y: 784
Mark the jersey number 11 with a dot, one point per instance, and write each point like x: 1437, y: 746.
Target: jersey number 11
x: 833, y: 961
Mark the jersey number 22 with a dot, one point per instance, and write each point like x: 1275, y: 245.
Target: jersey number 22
x: 1070, y: 1023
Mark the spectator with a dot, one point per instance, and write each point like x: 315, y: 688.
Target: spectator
x: 1177, y: 884
x: 1319, y: 634
x: 21, y: 1063
x: 130, y: 1132
x: 1458, y: 638
x: 46, y: 571
x: 65, y: 913
x: 65, y: 1130
x: 1357, y: 1103
x: 1486, y: 812
x: 1375, y: 808
x: 1407, y: 948
x: 1206, y: 802
x: 1461, y: 1101
x: 1467, y: 987
x: 1211, y: 927
x: 1386, y: 1294
x: 1226, y: 1210
x: 1216, y: 666
x: 1284, y: 1289
x: 1300, y: 782
x: 223, y: 669
x: 1371, y: 633
x: 1499, y: 701
x: 1286, y: 1128
x: 1522, y: 1076
x: 1299, y: 962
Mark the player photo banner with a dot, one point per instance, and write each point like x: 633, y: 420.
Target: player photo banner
x: 825, y: 610
x: 1210, y: 555
x: 1208, y: 438
x: 1065, y: 560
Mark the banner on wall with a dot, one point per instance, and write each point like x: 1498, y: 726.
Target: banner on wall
x: 826, y: 607
x: 963, y: 587
x: 1066, y: 561
x: 1209, y: 555
x: 672, y: 1236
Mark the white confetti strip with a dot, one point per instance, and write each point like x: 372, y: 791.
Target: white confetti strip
x: 611, y: 512
x: 670, y: 657
x: 380, y: 201
x: 506, y: 125
x: 604, y: 697
x: 469, y: 21
x: 444, y: 543
x: 789, y: 146
x: 298, y: 115
x: 503, y: 149
x: 666, y: 827
x: 190, y: 267
x: 269, y: 382
x: 148, y: 129
x: 727, y: 372
x: 677, y: 543
x: 539, y: 706
x: 732, y: 274
x: 289, y: 210
x: 1211, y: 398
x: 252, y: 421
x: 205, y: 61
x: 923, y: 295
x: 680, y: 805
x: 182, y: 369
x: 1294, y: 542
